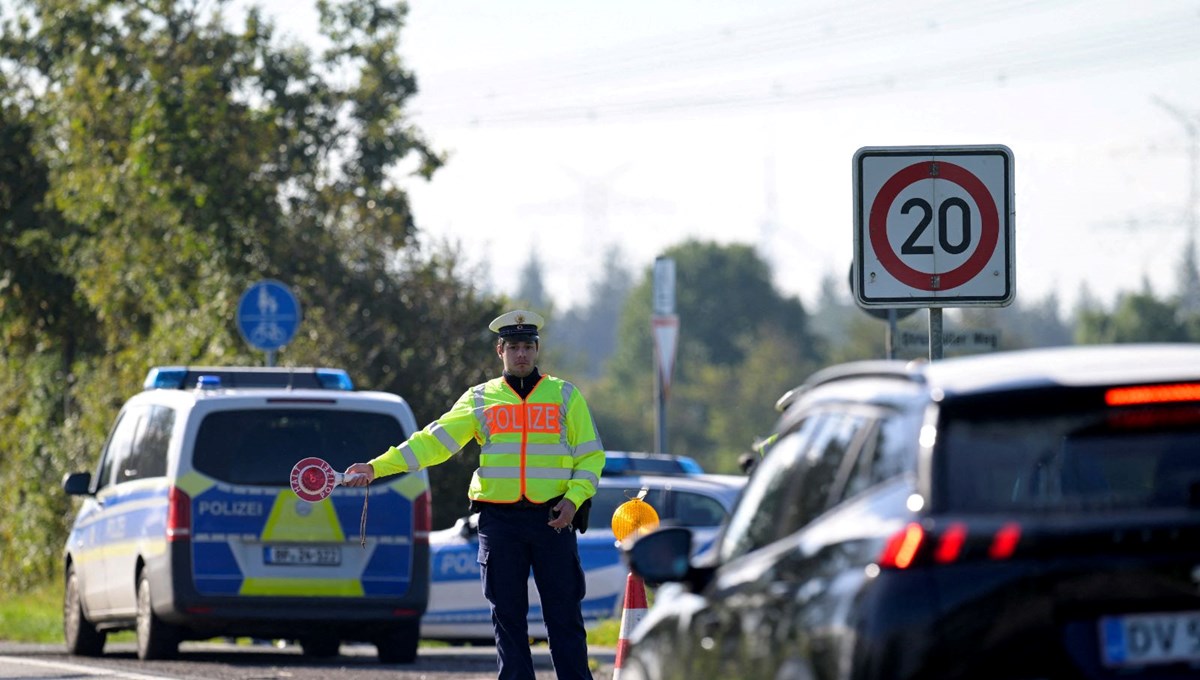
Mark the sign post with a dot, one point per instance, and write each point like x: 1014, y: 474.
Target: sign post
x: 665, y: 327
x: 933, y: 227
x: 268, y: 316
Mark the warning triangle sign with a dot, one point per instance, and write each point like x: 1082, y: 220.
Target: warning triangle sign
x: 666, y: 337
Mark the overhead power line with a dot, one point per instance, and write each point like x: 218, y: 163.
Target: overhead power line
x: 776, y: 69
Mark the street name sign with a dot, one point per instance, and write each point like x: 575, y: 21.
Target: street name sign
x: 933, y: 226
x: 971, y: 340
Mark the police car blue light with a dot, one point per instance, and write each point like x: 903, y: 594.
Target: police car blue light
x: 236, y: 377
x: 165, y: 378
x: 208, y: 382
x: 334, y: 379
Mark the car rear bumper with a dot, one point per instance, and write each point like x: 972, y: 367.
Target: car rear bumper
x: 177, y: 601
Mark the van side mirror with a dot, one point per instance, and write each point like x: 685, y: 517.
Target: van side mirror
x: 77, y: 483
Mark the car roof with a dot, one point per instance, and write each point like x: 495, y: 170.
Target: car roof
x: 256, y: 395
x: 727, y: 486
x: 1077, y: 365
x: 1080, y: 365
x: 644, y: 455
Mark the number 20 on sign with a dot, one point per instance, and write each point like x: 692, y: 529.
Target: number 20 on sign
x: 933, y: 226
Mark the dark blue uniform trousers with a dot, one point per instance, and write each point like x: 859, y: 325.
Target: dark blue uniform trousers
x: 513, y: 540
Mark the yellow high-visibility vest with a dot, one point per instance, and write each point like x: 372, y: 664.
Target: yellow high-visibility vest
x: 538, y: 448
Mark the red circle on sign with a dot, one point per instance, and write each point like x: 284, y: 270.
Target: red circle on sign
x: 989, y: 220
x: 313, y: 479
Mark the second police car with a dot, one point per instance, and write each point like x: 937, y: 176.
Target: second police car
x: 458, y: 610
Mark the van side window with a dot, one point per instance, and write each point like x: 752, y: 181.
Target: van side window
x: 148, y: 457
x: 120, y: 444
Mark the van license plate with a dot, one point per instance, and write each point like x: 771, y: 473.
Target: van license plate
x: 1140, y: 639
x: 328, y: 556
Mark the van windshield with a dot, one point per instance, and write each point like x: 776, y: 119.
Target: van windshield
x: 1059, y: 456
x: 259, y: 447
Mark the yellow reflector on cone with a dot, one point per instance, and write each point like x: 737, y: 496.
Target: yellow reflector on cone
x: 633, y: 518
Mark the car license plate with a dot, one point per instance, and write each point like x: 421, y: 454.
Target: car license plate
x: 1141, y: 639
x: 326, y: 556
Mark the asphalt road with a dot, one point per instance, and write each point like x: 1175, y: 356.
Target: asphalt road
x: 220, y: 661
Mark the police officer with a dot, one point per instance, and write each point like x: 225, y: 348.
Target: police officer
x: 540, y: 460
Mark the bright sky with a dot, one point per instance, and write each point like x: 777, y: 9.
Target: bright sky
x: 573, y: 126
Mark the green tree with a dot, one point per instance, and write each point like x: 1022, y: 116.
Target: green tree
x: 155, y: 163
x: 1137, y: 317
x: 731, y: 317
x: 1021, y: 325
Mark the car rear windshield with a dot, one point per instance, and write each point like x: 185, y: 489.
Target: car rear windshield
x: 1066, y: 450
x: 259, y: 447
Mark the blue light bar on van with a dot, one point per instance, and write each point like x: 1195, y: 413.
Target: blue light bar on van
x: 165, y: 378
x: 208, y: 382
x: 335, y: 379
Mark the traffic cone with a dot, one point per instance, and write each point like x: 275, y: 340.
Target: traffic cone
x: 634, y: 610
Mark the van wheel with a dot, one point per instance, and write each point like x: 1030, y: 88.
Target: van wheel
x: 156, y: 639
x: 81, y: 635
x: 320, y: 647
x: 399, y: 645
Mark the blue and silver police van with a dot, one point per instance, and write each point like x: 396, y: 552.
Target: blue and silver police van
x: 189, y: 528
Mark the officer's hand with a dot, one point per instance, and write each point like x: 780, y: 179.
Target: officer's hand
x: 365, y: 475
x: 565, y: 511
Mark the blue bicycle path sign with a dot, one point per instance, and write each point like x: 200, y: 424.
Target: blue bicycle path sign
x: 268, y: 315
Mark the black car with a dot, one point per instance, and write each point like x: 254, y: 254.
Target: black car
x: 1021, y: 515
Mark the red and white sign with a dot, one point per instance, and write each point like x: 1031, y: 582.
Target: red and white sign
x: 313, y: 479
x: 933, y: 226
x: 666, y: 337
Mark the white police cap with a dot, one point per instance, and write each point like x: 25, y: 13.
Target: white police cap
x: 518, y: 322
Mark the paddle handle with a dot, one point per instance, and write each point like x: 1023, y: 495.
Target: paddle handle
x: 342, y: 478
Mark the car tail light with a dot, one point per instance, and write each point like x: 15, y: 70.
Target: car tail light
x: 1004, y: 543
x: 902, y: 547
x: 955, y: 542
x: 950, y: 547
x: 179, y: 515
x: 1152, y: 394
x: 422, y: 518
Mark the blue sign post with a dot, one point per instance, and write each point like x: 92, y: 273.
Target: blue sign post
x: 268, y: 316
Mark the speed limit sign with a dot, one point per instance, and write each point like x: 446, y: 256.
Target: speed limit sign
x: 933, y: 226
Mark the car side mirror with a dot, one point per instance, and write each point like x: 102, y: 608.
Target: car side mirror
x: 662, y: 556
x: 77, y: 483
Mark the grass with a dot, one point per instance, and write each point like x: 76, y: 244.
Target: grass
x: 605, y: 634
x: 36, y: 616
x: 33, y: 616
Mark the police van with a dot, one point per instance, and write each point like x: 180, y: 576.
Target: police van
x: 189, y: 528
